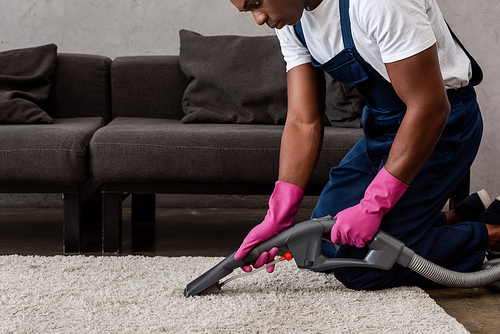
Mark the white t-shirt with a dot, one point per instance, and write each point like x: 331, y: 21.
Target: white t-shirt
x: 383, y: 31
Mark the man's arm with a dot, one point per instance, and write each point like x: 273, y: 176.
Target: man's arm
x: 300, y: 146
x: 419, y: 83
x: 303, y: 134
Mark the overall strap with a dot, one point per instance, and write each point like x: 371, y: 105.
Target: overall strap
x: 300, y: 33
x: 477, y: 73
x: 345, y: 23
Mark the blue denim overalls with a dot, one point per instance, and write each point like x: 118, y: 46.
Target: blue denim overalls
x: 416, y: 219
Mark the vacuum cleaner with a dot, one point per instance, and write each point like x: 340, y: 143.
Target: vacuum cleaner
x: 304, y: 241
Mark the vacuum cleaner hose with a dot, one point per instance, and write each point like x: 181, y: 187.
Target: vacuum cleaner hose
x: 451, y: 278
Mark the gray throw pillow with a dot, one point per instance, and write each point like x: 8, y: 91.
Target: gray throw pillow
x: 233, y: 79
x: 25, y: 81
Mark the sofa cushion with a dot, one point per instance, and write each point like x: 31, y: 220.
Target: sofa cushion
x: 159, y: 94
x: 343, y: 104
x: 162, y: 150
x: 54, y: 153
x: 25, y: 81
x: 81, y: 87
x: 233, y: 79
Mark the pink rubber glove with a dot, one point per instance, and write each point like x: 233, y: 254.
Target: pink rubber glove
x: 358, y: 224
x: 283, y: 207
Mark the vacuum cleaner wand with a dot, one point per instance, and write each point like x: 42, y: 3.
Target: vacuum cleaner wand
x: 304, y: 241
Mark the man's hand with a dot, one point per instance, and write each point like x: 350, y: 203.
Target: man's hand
x: 283, y: 207
x: 357, y: 225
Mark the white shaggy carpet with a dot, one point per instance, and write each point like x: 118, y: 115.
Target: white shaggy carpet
x: 133, y: 294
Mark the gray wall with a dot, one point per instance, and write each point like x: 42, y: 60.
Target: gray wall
x: 135, y: 27
x: 117, y: 27
x: 478, y: 25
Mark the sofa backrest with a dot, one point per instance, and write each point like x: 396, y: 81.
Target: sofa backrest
x: 147, y: 86
x: 155, y: 86
x: 81, y: 87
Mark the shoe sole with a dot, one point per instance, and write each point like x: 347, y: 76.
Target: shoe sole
x: 485, y: 198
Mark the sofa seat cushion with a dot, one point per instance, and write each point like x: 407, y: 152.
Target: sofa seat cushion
x: 161, y: 150
x: 47, y: 153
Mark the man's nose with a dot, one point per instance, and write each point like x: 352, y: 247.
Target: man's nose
x: 259, y: 17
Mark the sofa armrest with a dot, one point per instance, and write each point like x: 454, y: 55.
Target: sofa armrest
x: 81, y: 87
x: 147, y: 86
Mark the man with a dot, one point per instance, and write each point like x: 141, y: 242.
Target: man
x: 422, y: 129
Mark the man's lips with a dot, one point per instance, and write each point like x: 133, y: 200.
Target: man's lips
x: 277, y: 25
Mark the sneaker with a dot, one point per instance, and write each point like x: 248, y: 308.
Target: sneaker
x: 492, y: 214
x: 472, y: 206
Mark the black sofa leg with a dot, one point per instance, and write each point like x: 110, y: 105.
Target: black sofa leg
x: 92, y: 208
x: 72, y: 220
x: 112, y: 222
x: 143, y: 222
x: 143, y: 207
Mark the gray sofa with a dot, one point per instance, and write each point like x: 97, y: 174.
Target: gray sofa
x: 115, y: 128
x: 147, y: 125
